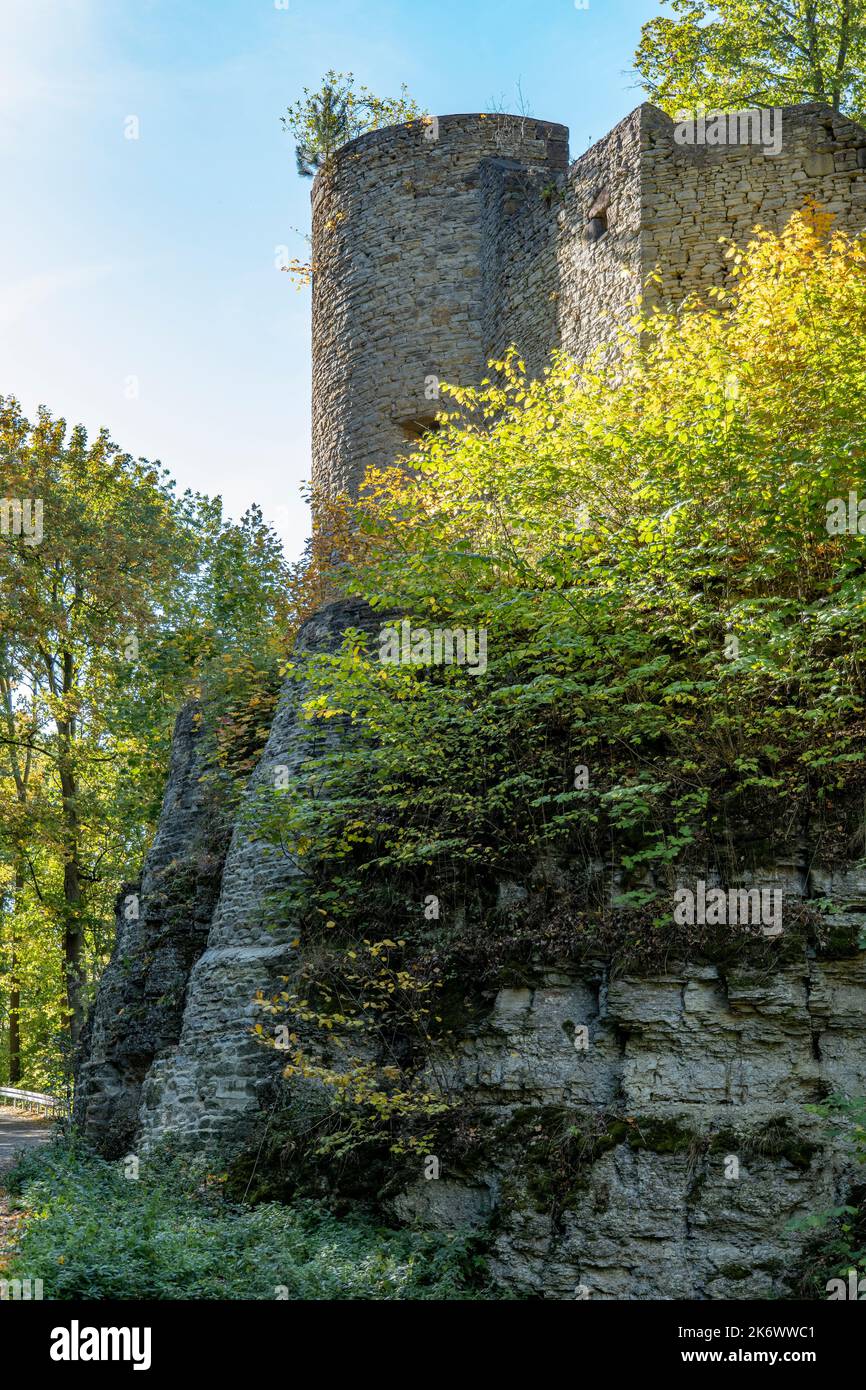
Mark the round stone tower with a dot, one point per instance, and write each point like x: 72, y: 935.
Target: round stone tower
x: 398, y: 279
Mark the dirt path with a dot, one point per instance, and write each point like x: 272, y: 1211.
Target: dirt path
x: 19, y: 1129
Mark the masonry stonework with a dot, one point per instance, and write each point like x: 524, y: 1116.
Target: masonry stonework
x: 432, y: 255
x: 692, y: 195
x: 398, y: 262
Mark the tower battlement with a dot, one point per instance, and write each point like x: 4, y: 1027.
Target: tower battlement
x: 438, y: 243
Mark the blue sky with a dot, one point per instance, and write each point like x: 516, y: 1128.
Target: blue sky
x: 138, y: 285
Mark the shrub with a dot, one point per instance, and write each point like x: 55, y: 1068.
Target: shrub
x: 674, y: 664
x: 92, y: 1233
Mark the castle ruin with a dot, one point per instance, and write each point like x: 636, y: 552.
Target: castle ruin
x: 435, y: 246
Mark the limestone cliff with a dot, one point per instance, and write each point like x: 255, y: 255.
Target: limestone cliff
x: 608, y: 1170
x: 599, y: 1170
x: 209, y: 1085
x: 162, y: 924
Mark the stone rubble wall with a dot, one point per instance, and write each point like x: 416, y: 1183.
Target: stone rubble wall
x: 521, y: 269
x: 601, y: 278
x: 555, y: 277
x: 432, y: 256
x: 693, y: 195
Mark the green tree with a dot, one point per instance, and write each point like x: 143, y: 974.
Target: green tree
x: 71, y: 602
x: 322, y: 121
x: 736, y: 53
x: 130, y: 601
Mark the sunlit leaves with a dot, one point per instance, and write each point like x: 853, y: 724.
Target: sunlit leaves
x: 612, y: 527
x: 734, y: 54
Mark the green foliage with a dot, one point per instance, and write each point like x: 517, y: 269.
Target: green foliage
x: 339, y: 111
x: 71, y: 598
x: 92, y: 1233
x: 840, y: 1241
x: 611, y: 528
x: 224, y: 635
x: 732, y: 54
x: 363, y: 995
x: 132, y: 601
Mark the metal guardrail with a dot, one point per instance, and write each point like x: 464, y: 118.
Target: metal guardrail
x: 33, y: 1100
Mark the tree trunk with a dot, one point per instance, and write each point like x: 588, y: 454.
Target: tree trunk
x: 14, y: 1020
x: 73, y: 925
x: 15, y: 988
x: 73, y: 930
x: 22, y: 778
x: 810, y: 19
x: 842, y: 56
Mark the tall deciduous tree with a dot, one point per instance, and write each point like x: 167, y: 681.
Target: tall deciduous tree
x: 738, y: 53
x: 122, y: 603
x: 74, y: 593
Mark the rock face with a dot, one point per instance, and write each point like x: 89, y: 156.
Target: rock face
x: 207, y: 1088
x: 632, y: 1136
x: 162, y: 927
x: 666, y: 1157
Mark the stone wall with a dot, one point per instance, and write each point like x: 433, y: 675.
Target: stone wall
x: 693, y: 195
x: 521, y: 271
x: 398, y: 280
x: 433, y: 255
x: 600, y: 235
x: 563, y: 259
x: 565, y: 263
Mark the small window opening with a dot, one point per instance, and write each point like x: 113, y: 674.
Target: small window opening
x: 419, y: 428
x: 596, y: 220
